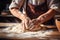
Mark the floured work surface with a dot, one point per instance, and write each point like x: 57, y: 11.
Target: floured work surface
x: 32, y: 35
x: 42, y: 34
x: 13, y: 32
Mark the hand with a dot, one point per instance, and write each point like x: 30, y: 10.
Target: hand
x: 35, y: 22
x: 26, y: 22
x: 34, y: 25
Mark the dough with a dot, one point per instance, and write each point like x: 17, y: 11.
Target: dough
x: 21, y: 28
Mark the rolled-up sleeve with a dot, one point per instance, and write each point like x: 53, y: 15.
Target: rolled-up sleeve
x: 55, y: 5
x: 14, y: 4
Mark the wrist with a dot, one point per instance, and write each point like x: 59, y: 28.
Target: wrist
x: 41, y: 19
x: 38, y: 20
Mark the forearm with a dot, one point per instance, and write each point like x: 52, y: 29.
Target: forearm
x: 17, y: 13
x: 46, y: 16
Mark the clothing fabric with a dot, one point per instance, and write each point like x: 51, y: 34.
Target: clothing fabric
x: 54, y: 4
x: 36, y: 2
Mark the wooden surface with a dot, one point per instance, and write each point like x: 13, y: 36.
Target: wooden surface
x: 32, y: 35
x: 14, y: 24
x: 39, y: 35
x: 6, y: 16
x: 9, y: 24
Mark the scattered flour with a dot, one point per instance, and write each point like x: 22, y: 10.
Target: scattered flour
x: 15, y: 29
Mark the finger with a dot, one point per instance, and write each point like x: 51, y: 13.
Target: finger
x: 32, y: 27
x: 26, y: 24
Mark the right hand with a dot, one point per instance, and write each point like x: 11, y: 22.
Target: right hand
x: 26, y: 22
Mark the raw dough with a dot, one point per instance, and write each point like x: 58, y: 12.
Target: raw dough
x: 19, y: 28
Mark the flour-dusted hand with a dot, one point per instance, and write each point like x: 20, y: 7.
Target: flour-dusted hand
x: 34, y: 25
x: 26, y: 21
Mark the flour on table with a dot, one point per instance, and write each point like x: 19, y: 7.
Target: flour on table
x: 19, y: 28
x: 15, y: 29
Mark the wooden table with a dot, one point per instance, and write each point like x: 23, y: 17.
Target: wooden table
x: 49, y: 34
